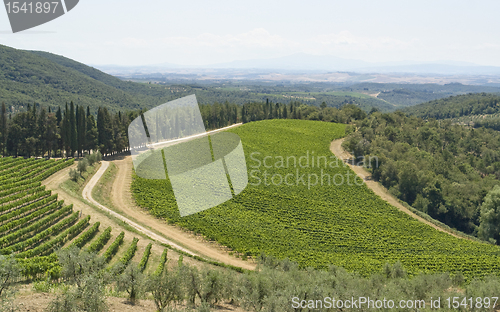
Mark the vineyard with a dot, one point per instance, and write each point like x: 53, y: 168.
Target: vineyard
x: 34, y: 224
x: 316, y: 225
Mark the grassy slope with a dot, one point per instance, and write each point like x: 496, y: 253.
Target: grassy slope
x: 342, y: 225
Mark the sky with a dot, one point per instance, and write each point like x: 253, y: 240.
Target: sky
x: 187, y: 32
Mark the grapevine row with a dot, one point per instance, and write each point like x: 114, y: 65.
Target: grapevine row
x: 13, y: 197
x: 20, y: 169
x: 6, y: 162
x: 57, y: 241
x: 86, y: 236
x: 113, y: 248
x: 99, y: 243
x: 48, y: 220
x: 145, y: 258
x: 14, y: 223
x: 23, y: 200
x: 163, y: 261
x: 40, y: 236
x: 19, y: 189
x: 21, y: 211
x: 129, y: 254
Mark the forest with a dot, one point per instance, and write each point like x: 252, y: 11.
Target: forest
x: 440, y: 168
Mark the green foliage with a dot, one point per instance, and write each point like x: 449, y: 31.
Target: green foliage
x: 9, y: 272
x: 94, y: 158
x: 163, y: 261
x: 125, y: 259
x: 86, y: 236
x: 74, y: 175
x: 489, y: 228
x: 131, y: 281
x: 439, y: 168
x: 145, y: 258
x: 166, y: 288
x: 99, y: 243
x: 113, y: 248
x: 457, y: 106
x: 82, y: 165
x: 345, y: 225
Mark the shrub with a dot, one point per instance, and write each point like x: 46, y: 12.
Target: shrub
x: 73, y: 175
x: 82, y: 165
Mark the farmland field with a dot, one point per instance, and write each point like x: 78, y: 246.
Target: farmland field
x: 316, y: 225
x: 34, y: 223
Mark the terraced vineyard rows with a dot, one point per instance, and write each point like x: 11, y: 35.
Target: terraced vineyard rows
x: 34, y: 224
x: 321, y: 225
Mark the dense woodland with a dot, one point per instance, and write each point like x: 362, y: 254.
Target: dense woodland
x: 73, y: 130
x: 439, y: 168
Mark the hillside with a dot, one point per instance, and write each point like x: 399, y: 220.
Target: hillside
x: 413, y: 94
x: 316, y: 224
x: 457, y: 106
x: 27, y: 78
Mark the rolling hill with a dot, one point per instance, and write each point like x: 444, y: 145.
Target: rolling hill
x: 316, y: 223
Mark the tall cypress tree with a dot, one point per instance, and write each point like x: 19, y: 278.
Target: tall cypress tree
x: 81, y: 125
x: 59, y: 128
x: 72, y: 129
x: 3, y: 129
x: 90, y: 133
x: 105, y: 130
x: 66, y: 131
x: 42, y: 131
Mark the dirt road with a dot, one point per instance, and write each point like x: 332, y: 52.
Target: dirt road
x: 338, y: 151
x: 122, y: 199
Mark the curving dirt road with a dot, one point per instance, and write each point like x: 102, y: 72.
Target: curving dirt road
x: 122, y: 200
x: 377, y: 188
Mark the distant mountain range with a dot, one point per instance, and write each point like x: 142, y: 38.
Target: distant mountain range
x: 324, y: 63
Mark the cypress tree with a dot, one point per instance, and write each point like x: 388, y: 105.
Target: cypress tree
x: 3, y: 129
x: 90, y: 133
x: 81, y: 125
x: 72, y: 129
x: 66, y: 132
x: 59, y: 130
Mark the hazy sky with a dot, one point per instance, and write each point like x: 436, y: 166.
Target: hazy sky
x: 203, y: 32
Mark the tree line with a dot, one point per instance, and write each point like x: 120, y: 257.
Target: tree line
x: 73, y: 130
x: 276, y: 286
x: 68, y: 132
